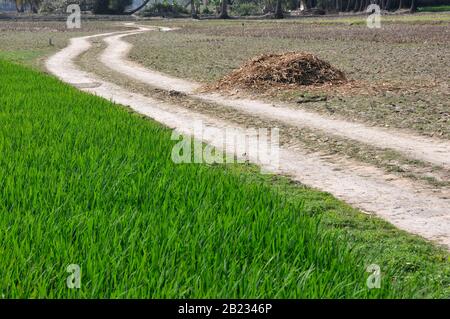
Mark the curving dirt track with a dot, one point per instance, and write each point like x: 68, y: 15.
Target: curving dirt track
x: 397, y: 200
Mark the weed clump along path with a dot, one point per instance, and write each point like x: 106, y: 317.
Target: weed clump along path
x: 291, y: 68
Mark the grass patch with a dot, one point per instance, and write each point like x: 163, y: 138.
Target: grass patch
x: 27, y: 42
x: 434, y: 9
x: 24, y: 56
x: 86, y: 182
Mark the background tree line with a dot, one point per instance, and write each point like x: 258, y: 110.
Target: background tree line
x: 240, y: 7
x: 97, y: 6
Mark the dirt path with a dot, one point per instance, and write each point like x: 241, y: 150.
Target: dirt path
x: 413, y: 146
x: 396, y: 200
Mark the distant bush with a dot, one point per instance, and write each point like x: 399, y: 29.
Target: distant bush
x: 100, y: 6
x: 164, y: 9
x: 434, y: 9
x: 206, y: 10
x: 53, y: 6
x: 246, y: 9
x: 119, y: 6
x: 110, y: 6
x: 60, y: 6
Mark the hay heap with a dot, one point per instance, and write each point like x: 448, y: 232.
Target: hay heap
x: 291, y: 68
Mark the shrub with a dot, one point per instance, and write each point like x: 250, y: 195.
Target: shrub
x: 59, y: 6
x: 110, y: 6
x: 164, y: 9
x: 206, y: 10
x: 246, y: 9
x: 119, y: 6
x: 100, y: 6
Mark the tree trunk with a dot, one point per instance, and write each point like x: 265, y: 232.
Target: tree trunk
x: 388, y: 4
x: 303, y: 4
x: 279, y: 10
x: 193, y: 10
x: 307, y: 4
x: 349, y: 3
x: 361, y: 7
x: 19, y: 6
x: 413, y: 7
x: 34, y: 6
x: 356, y: 6
x: 138, y: 8
x: 224, y: 10
x: 400, y: 4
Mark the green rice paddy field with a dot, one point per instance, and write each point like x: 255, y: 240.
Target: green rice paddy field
x: 84, y: 181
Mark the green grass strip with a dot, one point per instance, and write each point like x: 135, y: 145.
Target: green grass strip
x: 442, y: 8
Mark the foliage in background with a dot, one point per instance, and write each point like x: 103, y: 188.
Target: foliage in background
x: 59, y: 6
x: 246, y: 9
x: 119, y: 6
x: 164, y: 9
x: 239, y: 7
x: 434, y: 9
x: 110, y: 6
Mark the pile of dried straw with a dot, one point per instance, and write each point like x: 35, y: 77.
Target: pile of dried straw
x: 292, y: 68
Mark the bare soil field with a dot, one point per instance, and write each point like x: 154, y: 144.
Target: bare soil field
x: 400, y: 71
